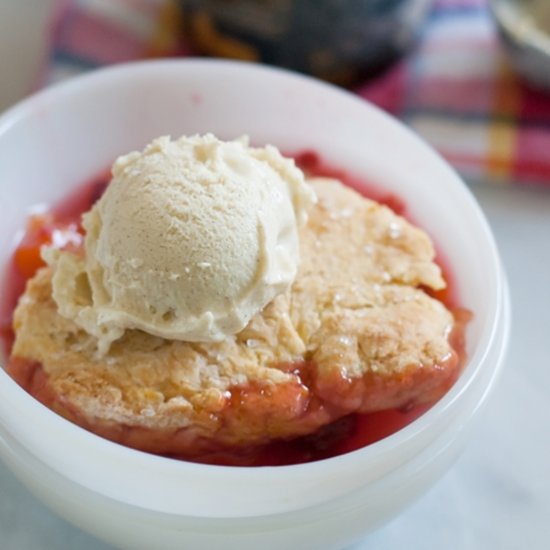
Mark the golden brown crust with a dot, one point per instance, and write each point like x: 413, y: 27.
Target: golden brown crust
x: 370, y: 337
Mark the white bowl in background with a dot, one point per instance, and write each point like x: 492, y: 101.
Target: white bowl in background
x: 525, y: 31
x: 60, y: 138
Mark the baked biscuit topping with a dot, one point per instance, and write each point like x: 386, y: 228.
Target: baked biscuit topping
x: 357, y: 332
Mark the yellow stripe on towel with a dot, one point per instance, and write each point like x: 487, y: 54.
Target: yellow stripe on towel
x: 502, y: 134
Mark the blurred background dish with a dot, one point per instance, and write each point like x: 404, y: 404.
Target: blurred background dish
x: 525, y: 29
x: 337, y: 40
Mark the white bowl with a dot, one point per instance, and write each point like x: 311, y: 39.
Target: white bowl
x: 61, y: 137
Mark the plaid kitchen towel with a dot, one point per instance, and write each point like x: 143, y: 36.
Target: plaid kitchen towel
x: 456, y: 88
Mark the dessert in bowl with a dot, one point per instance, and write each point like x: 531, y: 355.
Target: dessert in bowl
x: 74, y: 131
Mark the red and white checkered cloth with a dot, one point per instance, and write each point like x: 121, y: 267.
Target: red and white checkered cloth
x: 456, y: 89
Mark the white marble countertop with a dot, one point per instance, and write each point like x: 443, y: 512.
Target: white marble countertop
x: 497, y: 496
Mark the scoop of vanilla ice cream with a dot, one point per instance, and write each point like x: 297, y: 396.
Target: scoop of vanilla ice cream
x: 190, y: 239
